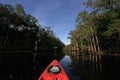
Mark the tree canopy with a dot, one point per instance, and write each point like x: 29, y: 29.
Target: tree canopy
x: 22, y: 31
x: 99, y: 29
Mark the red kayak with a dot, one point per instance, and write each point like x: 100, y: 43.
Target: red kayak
x: 54, y: 72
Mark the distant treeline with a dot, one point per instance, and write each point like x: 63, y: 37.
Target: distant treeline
x: 98, y: 29
x: 22, y: 31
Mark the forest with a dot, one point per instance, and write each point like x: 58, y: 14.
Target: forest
x: 20, y: 31
x: 97, y: 30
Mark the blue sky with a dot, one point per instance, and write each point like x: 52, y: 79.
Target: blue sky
x: 60, y: 15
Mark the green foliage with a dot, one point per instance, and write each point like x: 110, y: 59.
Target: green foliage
x: 101, y: 5
x: 102, y: 22
x: 21, y: 31
x: 20, y: 9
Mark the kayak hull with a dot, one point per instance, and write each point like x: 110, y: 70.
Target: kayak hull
x: 60, y: 75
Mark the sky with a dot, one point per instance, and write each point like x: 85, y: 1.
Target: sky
x: 60, y: 15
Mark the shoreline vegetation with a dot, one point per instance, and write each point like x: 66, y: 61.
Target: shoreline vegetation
x: 97, y: 30
x: 21, y: 32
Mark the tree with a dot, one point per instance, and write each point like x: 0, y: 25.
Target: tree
x: 107, y: 19
x: 21, y: 31
x: 20, y: 10
x: 99, y: 29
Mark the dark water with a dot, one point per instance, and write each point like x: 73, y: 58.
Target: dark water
x: 66, y: 62
x: 92, y: 67
x: 29, y: 66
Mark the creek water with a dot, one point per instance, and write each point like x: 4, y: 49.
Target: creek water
x: 29, y: 66
x: 66, y: 62
x: 92, y: 67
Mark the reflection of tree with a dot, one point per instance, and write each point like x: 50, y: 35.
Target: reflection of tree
x: 82, y: 68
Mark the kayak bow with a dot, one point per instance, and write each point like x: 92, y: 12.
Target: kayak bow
x: 54, y: 72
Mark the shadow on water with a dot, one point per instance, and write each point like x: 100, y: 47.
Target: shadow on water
x: 24, y: 66
x: 16, y: 66
x: 92, y: 67
x: 111, y: 67
x: 29, y: 66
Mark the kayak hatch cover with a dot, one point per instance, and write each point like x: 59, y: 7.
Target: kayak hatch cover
x: 54, y: 72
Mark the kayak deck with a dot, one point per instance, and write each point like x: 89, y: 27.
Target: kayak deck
x: 54, y: 72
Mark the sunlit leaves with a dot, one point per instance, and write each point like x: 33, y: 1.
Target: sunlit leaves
x: 101, y: 5
x: 101, y: 26
x: 20, y: 9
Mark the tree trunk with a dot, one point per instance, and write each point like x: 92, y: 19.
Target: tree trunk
x: 94, y: 42
x: 97, y: 43
x: 91, y: 46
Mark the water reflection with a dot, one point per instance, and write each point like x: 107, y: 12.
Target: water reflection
x: 16, y: 66
x: 66, y: 63
x: 92, y: 67
x: 23, y: 66
x: 29, y: 66
x: 78, y: 69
